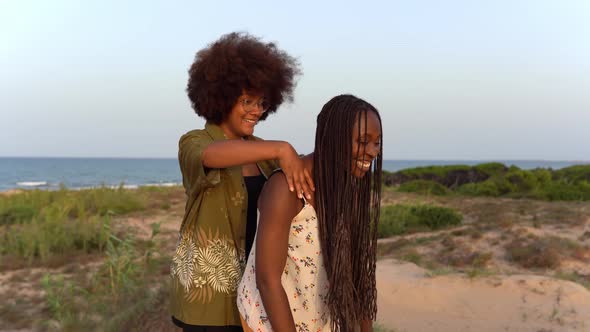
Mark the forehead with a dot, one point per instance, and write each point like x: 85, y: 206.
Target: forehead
x: 369, y: 123
x: 250, y: 93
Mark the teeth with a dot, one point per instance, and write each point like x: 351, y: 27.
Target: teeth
x: 365, y: 164
x: 250, y: 121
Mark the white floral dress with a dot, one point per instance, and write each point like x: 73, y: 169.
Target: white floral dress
x: 304, y: 280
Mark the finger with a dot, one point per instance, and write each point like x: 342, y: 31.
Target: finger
x: 290, y: 182
x: 305, y: 189
x: 298, y: 184
x: 309, y: 180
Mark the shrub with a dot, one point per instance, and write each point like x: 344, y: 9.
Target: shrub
x: 38, y: 224
x: 573, y: 174
x: 491, y: 169
x: 54, y: 233
x: 124, y: 290
x: 424, y: 187
x: 543, y: 175
x: 437, y: 171
x: 400, y: 219
x: 534, y: 252
x: 533, y: 255
x: 464, y: 257
x: 486, y: 188
x: 495, y: 179
x: 521, y: 181
x: 16, y: 213
x: 563, y: 191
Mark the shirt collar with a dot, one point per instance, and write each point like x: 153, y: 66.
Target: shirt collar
x: 217, y: 134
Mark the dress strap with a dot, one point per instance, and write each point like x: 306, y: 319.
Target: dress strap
x: 303, y: 198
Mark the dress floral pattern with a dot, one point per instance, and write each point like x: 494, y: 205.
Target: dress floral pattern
x: 304, y: 280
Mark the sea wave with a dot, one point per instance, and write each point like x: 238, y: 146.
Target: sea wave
x: 32, y: 183
x: 162, y: 184
x: 128, y: 186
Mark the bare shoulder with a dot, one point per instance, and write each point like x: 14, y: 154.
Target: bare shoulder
x: 277, y: 199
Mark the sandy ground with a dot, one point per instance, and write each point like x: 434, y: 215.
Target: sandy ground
x: 409, y: 297
x: 410, y: 300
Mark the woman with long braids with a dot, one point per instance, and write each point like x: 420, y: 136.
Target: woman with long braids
x: 312, y: 267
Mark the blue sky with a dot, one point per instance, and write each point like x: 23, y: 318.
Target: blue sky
x: 452, y: 79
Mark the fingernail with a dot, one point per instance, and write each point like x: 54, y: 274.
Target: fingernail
x: 308, y: 196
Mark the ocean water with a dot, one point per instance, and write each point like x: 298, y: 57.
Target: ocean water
x: 50, y: 173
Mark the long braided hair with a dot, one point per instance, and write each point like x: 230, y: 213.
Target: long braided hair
x: 348, y: 212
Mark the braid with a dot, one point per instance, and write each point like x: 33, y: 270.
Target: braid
x: 348, y: 212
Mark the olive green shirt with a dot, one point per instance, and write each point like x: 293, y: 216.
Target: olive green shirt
x: 209, y: 259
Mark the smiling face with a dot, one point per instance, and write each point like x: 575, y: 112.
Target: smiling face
x: 366, y: 142
x: 244, y: 116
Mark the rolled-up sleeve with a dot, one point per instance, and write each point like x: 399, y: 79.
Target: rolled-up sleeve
x: 196, y: 177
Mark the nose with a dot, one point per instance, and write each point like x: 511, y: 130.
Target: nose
x: 256, y: 109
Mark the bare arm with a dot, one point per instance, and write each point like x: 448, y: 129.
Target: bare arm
x: 277, y: 209
x: 230, y: 153
x: 237, y: 152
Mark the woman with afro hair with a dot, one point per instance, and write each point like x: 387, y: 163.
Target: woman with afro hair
x: 234, y: 83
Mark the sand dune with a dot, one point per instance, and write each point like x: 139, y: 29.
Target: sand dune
x: 410, y: 300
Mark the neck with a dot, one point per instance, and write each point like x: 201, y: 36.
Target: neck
x: 228, y: 133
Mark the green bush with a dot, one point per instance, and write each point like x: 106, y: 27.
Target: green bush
x: 486, y: 188
x: 125, y: 289
x: 495, y: 179
x: 400, y: 219
x: 436, y: 217
x: 491, y: 169
x: 521, y: 181
x: 543, y: 175
x: 424, y: 187
x: 42, y: 223
x: 17, y: 213
x: 438, y: 171
x: 573, y: 174
x: 562, y: 191
x: 25, y: 206
x: 54, y: 233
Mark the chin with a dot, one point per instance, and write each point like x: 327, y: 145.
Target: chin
x: 247, y: 132
x: 359, y: 174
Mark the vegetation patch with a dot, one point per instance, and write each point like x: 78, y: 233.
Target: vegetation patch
x: 455, y: 253
x: 545, y: 253
x: 495, y: 180
x: 402, y: 219
x: 424, y: 187
x: 126, y: 285
x: 37, y: 225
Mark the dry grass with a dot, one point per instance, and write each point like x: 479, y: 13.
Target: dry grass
x: 546, y: 252
x: 31, y: 307
x: 499, y: 235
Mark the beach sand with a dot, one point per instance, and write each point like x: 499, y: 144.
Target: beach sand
x: 410, y: 300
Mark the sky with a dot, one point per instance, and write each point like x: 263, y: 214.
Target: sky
x: 475, y: 80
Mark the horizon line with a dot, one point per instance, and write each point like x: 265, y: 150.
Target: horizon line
x: 408, y: 159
